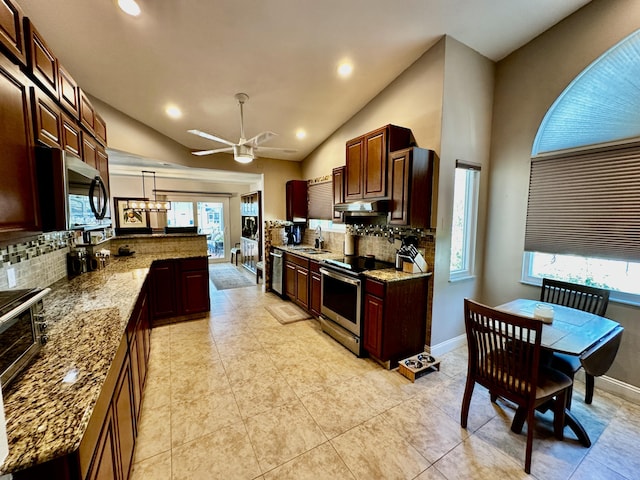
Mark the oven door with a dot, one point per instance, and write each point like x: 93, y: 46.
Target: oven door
x: 18, y: 344
x: 341, y: 300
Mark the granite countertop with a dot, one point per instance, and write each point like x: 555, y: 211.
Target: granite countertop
x: 47, y: 408
x: 384, y: 275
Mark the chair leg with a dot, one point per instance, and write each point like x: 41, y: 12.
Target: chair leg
x: 530, y: 427
x: 588, y: 396
x: 558, y: 414
x: 518, y: 420
x: 569, y: 396
x: 466, y: 402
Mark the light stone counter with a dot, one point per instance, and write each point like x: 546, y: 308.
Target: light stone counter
x: 49, y: 405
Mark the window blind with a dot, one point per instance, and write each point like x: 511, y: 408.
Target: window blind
x: 586, y: 203
x: 320, y: 197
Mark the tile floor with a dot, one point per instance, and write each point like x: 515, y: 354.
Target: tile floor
x: 239, y: 396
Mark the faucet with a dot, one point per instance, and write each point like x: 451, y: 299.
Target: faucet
x: 319, y: 240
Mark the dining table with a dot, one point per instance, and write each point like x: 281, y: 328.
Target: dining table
x: 572, y: 332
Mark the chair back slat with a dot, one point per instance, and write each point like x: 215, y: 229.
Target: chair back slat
x: 504, y: 351
x: 581, y: 297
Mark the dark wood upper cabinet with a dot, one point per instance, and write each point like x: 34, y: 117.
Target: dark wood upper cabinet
x: 102, y: 164
x: 43, y: 64
x: 71, y: 135
x: 338, y: 191
x: 87, y: 113
x: 19, y: 214
x: 411, y: 187
x: 297, y: 207
x: 47, y: 118
x: 90, y: 151
x: 366, y: 161
x: 11, y: 34
x: 69, y: 92
x: 100, y: 129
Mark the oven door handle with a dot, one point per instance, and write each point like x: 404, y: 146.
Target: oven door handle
x: 275, y: 255
x: 339, y: 277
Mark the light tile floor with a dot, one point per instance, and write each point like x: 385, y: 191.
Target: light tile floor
x: 239, y: 396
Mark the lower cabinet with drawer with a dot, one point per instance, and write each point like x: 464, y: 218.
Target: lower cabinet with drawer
x: 296, y: 277
x: 395, y: 317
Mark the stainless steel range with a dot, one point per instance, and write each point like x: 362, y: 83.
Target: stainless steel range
x: 342, y: 298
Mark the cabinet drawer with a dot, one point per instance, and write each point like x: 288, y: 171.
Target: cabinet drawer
x: 314, y: 266
x: 301, y: 261
x: 374, y: 288
x: 191, y: 264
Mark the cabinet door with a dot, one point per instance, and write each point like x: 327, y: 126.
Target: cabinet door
x: 297, y: 203
x: 373, y: 318
x: 354, y: 169
x: 101, y: 129
x: 69, y: 92
x: 136, y: 382
x: 105, y: 464
x: 123, y: 415
x: 71, y: 137
x: 42, y: 62
x: 47, y: 118
x: 375, y: 164
x: 11, y: 30
x: 102, y: 164
x: 338, y: 191
x: 315, y: 290
x: 18, y: 203
x: 87, y: 113
x: 290, y: 278
x: 163, y: 281
x: 89, y: 151
x: 302, y: 287
x: 399, y: 171
x: 195, y: 292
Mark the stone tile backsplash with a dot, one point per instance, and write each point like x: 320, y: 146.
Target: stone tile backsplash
x: 37, y: 263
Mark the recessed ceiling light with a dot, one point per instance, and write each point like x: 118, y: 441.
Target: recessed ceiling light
x: 173, y: 111
x: 301, y: 133
x: 345, y: 69
x: 130, y: 7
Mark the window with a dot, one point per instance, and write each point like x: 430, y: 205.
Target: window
x: 620, y: 276
x: 326, y: 225
x: 180, y: 215
x: 464, y: 221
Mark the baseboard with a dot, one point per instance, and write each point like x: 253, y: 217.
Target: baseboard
x: 611, y: 385
x: 446, y: 346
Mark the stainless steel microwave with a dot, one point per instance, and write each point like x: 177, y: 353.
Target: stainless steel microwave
x: 72, y: 195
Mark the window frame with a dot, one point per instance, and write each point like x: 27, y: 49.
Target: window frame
x: 470, y: 222
x: 528, y: 279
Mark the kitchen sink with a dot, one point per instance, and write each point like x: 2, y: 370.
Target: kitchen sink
x: 310, y: 250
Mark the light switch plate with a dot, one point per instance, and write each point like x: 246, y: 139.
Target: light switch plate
x: 11, y: 277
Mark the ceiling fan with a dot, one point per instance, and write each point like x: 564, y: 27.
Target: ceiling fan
x: 245, y: 150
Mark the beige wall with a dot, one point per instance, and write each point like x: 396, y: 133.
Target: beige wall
x: 128, y: 135
x: 527, y: 83
x: 445, y: 98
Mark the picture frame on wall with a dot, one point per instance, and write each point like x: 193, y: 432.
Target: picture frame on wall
x: 129, y: 221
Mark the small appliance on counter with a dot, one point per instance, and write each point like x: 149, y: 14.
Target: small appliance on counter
x: 77, y: 262
x: 293, y: 234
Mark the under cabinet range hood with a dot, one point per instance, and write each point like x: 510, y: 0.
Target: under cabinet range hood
x: 363, y: 208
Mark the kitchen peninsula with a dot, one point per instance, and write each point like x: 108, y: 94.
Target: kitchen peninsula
x: 73, y: 412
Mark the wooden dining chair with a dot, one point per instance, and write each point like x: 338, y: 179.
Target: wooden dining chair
x: 504, y: 357
x: 581, y: 297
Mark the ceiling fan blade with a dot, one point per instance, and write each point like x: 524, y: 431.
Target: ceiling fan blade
x: 275, y: 149
x: 209, y: 152
x: 261, y: 138
x: 208, y: 136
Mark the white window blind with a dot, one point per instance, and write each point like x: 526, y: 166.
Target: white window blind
x: 586, y: 203
x: 320, y: 197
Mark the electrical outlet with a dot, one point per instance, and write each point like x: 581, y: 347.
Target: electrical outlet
x: 11, y: 277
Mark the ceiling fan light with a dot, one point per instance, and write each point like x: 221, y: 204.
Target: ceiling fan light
x: 244, y: 158
x: 243, y: 153
x: 130, y: 7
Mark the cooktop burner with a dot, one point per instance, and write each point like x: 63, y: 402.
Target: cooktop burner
x: 358, y: 264
x: 10, y: 299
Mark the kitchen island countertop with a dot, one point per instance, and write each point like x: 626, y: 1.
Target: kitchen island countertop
x: 48, y: 406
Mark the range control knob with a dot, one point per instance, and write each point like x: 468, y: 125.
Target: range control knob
x: 42, y: 326
x: 44, y: 339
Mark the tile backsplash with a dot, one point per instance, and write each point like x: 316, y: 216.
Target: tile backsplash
x: 37, y: 263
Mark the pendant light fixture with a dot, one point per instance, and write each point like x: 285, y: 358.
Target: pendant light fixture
x: 145, y: 205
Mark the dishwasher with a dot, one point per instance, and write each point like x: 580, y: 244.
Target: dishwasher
x: 277, y: 267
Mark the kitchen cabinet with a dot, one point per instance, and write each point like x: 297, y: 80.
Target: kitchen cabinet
x: 179, y: 289
x: 69, y: 92
x: 102, y: 164
x: 366, y: 161
x: 296, y: 201
x: 297, y: 279
x: 395, y: 318
x: 71, y: 136
x: 251, y: 221
x: 315, y: 288
x: 89, y: 151
x: 338, y: 191
x: 43, y: 64
x: 47, y: 119
x: 19, y: 216
x: 11, y: 33
x: 139, y: 336
x: 411, y: 187
x: 124, y: 418
x: 101, y: 129
x: 87, y: 113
